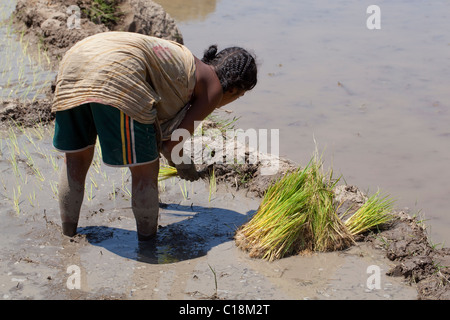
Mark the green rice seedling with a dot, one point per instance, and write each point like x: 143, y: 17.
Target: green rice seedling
x: 96, y: 165
x: 54, y: 162
x: 93, y: 181
x: 97, y: 159
x: 212, y: 185
x: 162, y: 186
x: 39, y: 131
x: 223, y: 124
x: 31, y: 164
x: 16, y: 198
x: 37, y: 172
x: 215, y: 295
x: 104, y: 174
x: 123, y: 174
x: 54, y: 187
x: 126, y: 190
x: 166, y: 172
x: 27, y: 134
x: 113, y: 193
x: 12, y: 138
x: 20, y: 73
x: 296, y: 215
x: 125, y: 182
x: 90, y: 194
x: 15, y: 166
x: 4, y: 184
x: 377, y: 210
x: 98, y: 148
x: 32, y: 198
x: 184, y: 190
x: 26, y: 92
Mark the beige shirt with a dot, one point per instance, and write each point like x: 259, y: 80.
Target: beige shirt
x: 145, y: 77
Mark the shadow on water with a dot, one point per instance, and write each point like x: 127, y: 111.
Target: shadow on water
x: 183, y: 240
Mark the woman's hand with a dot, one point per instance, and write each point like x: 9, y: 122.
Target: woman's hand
x: 185, y: 167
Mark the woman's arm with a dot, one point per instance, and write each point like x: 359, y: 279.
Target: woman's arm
x: 207, y: 96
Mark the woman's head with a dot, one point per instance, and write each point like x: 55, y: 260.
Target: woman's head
x: 235, y: 67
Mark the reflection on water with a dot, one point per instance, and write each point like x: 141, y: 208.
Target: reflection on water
x: 377, y: 101
x: 188, y: 10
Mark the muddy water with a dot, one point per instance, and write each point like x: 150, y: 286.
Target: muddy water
x: 195, y: 236
x: 377, y: 102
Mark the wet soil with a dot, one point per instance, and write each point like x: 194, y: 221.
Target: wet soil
x: 195, y: 238
x: 196, y: 233
x: 25, y: 113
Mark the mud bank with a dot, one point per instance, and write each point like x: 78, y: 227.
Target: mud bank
x: 45, y: 23
x: 195, y: 245
x: 406, y: 244
x: 15, y: 112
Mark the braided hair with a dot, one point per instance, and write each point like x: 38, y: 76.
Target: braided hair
x: 234, y: 66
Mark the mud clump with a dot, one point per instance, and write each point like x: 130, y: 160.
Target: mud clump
x: 25, y: 113
x: 45, y: 23
x: 243, y: 176
x: 250, y: 169
x: 406, y: 243
x: 147, y: 17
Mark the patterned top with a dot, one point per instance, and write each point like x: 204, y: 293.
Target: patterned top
x: 146, y: 77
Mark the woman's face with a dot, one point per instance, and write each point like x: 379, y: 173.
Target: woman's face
x: 231, y: 96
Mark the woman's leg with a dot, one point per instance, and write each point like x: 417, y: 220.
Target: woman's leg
x: 71, y: 188
x: 145, y: 201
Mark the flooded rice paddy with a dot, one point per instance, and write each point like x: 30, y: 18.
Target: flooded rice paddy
x: 376, y: 102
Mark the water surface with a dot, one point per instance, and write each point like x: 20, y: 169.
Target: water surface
x: 377, y: 102
x: 21, y: 75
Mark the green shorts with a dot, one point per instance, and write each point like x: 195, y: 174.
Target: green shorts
x: 124, y: 142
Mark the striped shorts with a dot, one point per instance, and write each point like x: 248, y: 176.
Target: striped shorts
x: 124, y: 142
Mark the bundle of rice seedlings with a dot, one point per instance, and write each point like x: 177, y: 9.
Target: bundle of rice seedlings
x: 374, y: 212
x: 296, y: 215
x: 166, y: 172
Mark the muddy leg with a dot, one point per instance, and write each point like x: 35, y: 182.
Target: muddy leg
x: 145, y: 202
x: 71, y: 188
